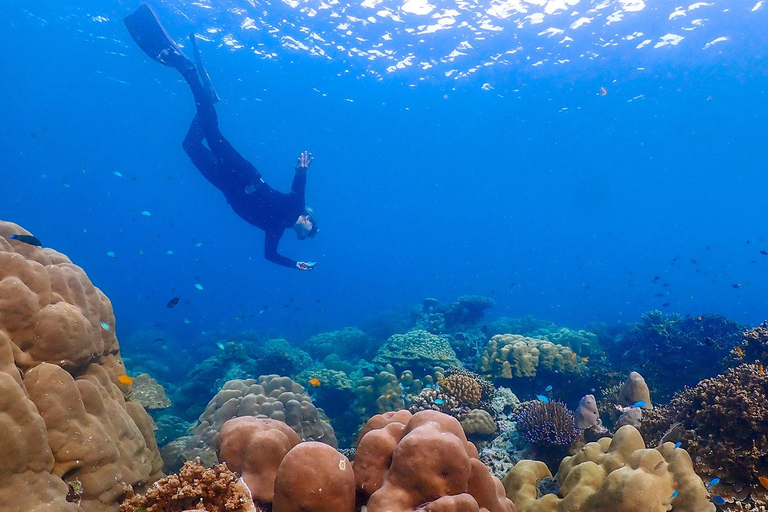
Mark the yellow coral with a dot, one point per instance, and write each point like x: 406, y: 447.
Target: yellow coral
x: 512, y: 355
x: 613, y: 475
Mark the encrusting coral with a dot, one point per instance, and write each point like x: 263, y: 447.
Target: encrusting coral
x: 195, y: 487
x: 64, y: 420
x: 613, y: 475
x: 722, y: 422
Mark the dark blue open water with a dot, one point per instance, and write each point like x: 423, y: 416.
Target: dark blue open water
x: 556, y: 156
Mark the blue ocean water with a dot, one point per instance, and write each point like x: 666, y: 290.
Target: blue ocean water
x: 554, y: 155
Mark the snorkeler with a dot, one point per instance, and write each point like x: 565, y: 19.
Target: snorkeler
x: 242, y: 185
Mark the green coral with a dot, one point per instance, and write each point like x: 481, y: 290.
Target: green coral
x: 418, y: 350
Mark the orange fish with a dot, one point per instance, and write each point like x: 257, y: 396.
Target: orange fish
x: 763, y: 481
x: 739, y: 351
x: 698, y: 317
x: 573, y: 356
x: 125, y: 379
x: 314, y: 382
x: 760, y: 367
x: 584, y: 359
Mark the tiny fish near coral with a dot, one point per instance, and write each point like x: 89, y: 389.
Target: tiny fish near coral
x: 314, y: 382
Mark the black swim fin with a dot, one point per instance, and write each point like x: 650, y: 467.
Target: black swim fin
x: 205, y: 78
x: 152, y: 38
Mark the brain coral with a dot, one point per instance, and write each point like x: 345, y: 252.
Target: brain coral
x: 723, y: 423
x: 417, y: 350
x: 511, y: 355
x: 273, y: 397
x: 613, y: 475
x: 63, y: 415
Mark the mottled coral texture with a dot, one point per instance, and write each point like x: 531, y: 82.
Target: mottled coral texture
x: 214, y: 489
x: 511, y: 355
x: 723, y: 423
x: 613, y: 475
x: 63, y: 415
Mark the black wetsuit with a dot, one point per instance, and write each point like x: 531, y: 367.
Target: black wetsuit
x: 237, y: 178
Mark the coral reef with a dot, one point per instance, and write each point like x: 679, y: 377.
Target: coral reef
x: 467, y: 310
x: 457, y: 394
x: 416, y: 350
x: 511, y: 355
x: 406, y: 462
x: 272, y: 397
x: 195, y: 488
x: 633, y: 391
x: 65, y: 420
x: 613, y: 475
x: 753, y: 348
x: 506, y: 449
x: 723, y: 423
x: 147, y: 392
x: 582, y: 342
x: 346, y: 343
x: 661, y: 345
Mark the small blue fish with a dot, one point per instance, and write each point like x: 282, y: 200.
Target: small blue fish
x: 105, y: 326
x: 439, y: 401
x: 678, y: 444
x: 718, y: 500
x: 714, y: 481
x: 548, y: 388
x: 673, y: 495
x: 543, y: 398
x: 641, y: 403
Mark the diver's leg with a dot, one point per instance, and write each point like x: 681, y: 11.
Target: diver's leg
x: 201, y: 156
x: 242, y: 172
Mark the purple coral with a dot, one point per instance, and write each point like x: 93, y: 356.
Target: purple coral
x: 543, y: 423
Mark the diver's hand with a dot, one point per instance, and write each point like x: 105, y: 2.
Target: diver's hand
x: 306, y: 265
x: 305, y: 159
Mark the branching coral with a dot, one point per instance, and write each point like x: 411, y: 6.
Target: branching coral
x: 195, y: 487
x: 753, y: 348
x: 723, y: 423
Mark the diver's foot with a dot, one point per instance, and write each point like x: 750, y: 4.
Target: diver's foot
x: 174, y: 58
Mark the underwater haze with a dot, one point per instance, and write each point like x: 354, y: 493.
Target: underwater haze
x: 575, y: 160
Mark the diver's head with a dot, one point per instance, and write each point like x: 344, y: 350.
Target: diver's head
x: 306, y: 224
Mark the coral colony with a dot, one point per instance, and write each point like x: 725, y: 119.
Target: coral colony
x: 423, y: 418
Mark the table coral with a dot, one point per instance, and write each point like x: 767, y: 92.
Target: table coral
x: 613, y: 475
x: 272, y: 397
x: 723, y: 423
x: 511, y: 355
x: 195, y: 487
x: 60, y: 362
x: 416, y: 350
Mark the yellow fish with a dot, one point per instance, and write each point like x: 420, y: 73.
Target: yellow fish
x: 314, y: 382
x: 125, y: 379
